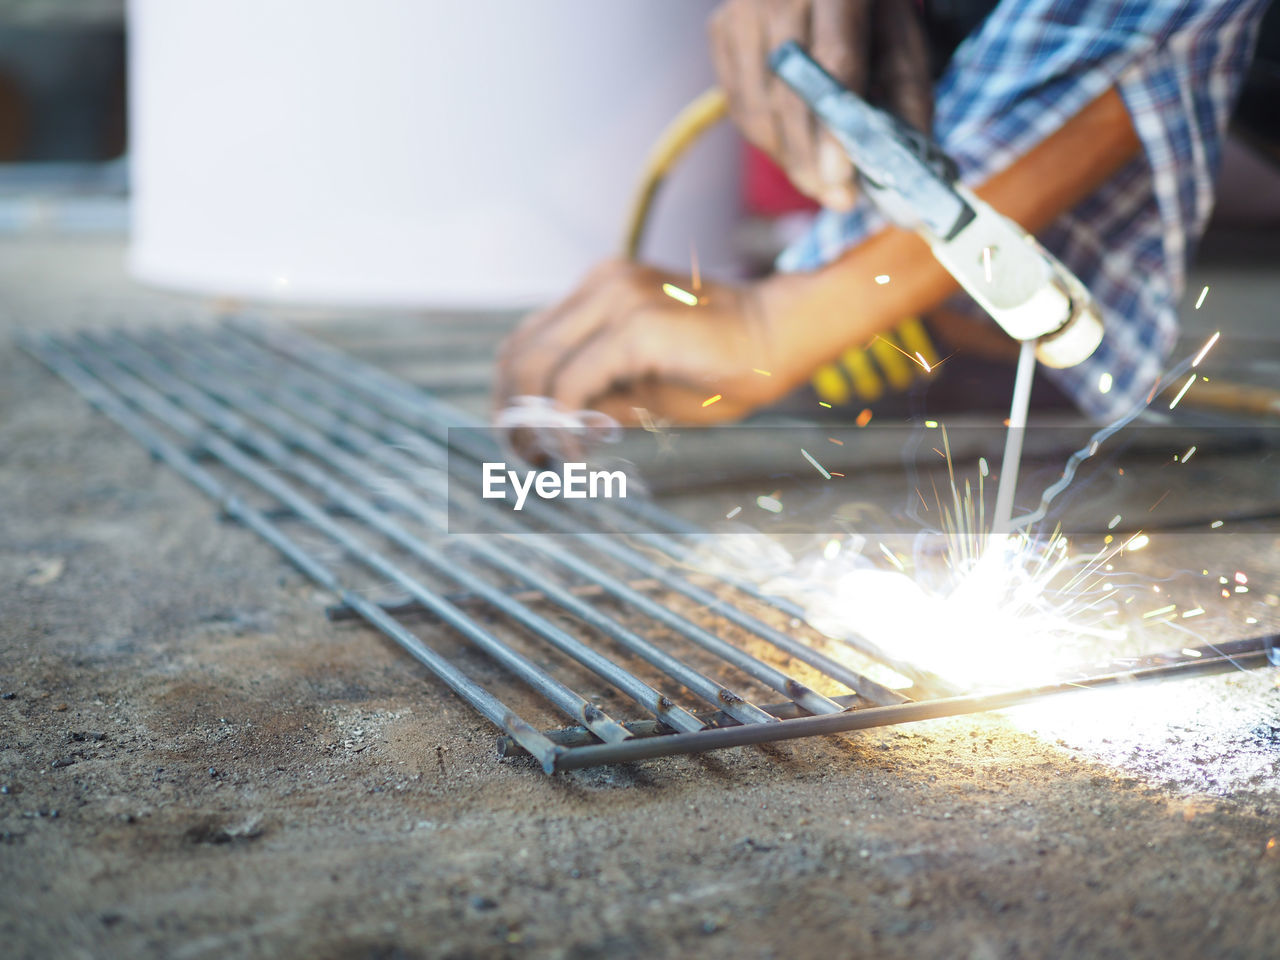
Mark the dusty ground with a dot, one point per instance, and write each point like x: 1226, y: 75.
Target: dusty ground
x: 194, y: 762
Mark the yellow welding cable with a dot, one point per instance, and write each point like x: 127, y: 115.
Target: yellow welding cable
x: 855, y: 375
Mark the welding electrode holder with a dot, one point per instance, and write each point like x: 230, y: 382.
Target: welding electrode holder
x: 1024, y: 288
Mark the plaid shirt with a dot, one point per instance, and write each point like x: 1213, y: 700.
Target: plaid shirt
x: 1031, y: 66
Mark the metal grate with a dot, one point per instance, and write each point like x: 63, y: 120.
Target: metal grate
x: 278, y: 428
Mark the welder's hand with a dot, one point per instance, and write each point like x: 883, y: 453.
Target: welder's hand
x: 874, y: 47
x: 621, y: 345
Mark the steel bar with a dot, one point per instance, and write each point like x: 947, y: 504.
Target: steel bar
x: 641, y: 748
x: 1242, y: 654
x: 237, y: 404
x: 316, y: 444
x: 110, y: 405
x: 555, y: 692
x: 429, y: 414
x: 273, y: 452
x: 581, y: 736
x: 404, y: 605
x: 370, y: 445
x: 391, y: 432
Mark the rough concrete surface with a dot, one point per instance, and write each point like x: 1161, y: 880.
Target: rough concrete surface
x: 195, y: 763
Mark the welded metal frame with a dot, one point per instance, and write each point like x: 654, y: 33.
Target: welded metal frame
x: 285, y: 414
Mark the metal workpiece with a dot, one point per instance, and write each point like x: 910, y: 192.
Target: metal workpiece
x: 408, y: 408
x: 254, y: 416
x: 166, y: 451
x: 500, y: 558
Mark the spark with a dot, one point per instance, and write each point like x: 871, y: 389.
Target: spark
x: 1190, y: 651
x: 893, y: 558
x: 1242, y: 589
x: 1203, y: 293
x: 922, y: 500
x: 1137, y: 542
x: 1183, y: 392
x: 677, y: 293
x: 763, y: 373
x: 864, y: 417
x: 1104, y: 383
x: 1161, y: 500
x: 832, y: 549
x: 823, y: 403
x: 1241, y: 578
x: 1187, y: 456
x: 986, y: 262
x: 882, y: 279
x: 838, y: 443
x: 1155, y: 613
x: 1271, y: 844
x: 1215, y: 525
x: 771, y: 504
x: 835, y: 473
x: 733, y: 513
x: 710, y: 400
x: 1188, y: 614
x: 815, y: 464
x: 695, y: 273
x: 1115, y: 521
x: 931, y: 424
x: 983, y: 469
x: 1207, y: 347
x: 916, y: 358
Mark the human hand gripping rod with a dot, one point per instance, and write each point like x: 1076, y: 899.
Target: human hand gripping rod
x: 1021, y: 285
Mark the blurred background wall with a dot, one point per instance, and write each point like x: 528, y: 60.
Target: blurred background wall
x: 420, y: 153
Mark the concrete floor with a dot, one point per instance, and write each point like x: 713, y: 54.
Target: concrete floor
x: 194, y: 762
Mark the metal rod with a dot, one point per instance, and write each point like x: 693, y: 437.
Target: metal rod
x: 555, y: 692
x: 316, y: 444
x: 581, y: 736
x: 428, y: 413
x: 814, y: 702
x: 337, y: 612
x: 392, y: 432
x: 722, y: 737
x: 184, y: 465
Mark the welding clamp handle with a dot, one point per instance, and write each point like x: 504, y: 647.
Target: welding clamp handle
x: 1025, y: 289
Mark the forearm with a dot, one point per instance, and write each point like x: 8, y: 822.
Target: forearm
x: 842, y: 305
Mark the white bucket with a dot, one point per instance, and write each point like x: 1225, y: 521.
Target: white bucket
x: 410, y: 152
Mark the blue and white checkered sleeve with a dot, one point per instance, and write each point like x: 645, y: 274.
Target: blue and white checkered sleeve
x: 1033, y: 65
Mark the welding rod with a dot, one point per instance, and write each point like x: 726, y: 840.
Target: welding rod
x: 555, y: 692
x: 315, y: 443
x: 101, y: 399
x: 623, y: 554
x: 811, y: 700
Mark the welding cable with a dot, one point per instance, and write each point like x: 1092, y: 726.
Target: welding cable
x: 854, y: 374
